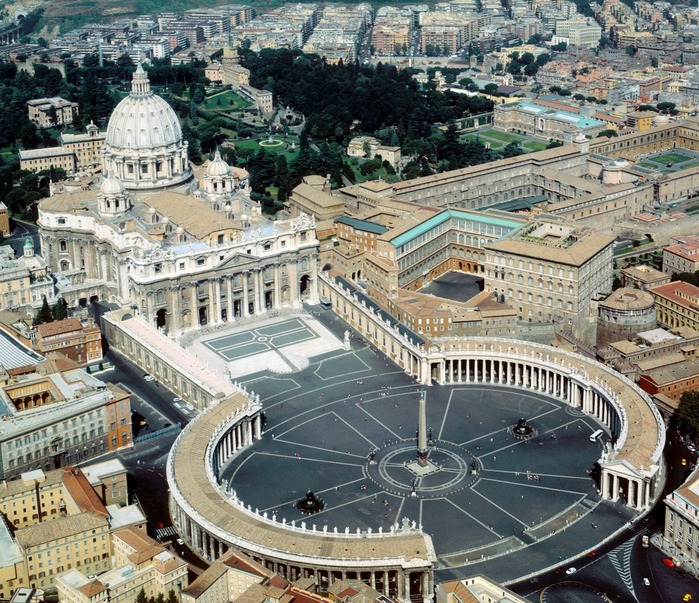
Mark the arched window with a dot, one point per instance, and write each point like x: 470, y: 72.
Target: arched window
x: 63, y: 246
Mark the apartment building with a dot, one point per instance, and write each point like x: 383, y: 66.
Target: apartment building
x: 682, y: 256
x: 51, y: 112
x: 52, y: 521
x: 672, y: 380
x: 138, y: 563
x: 677, y: 304
x: 228, y: 578
x: 681, y: 530
x: 78, y: 339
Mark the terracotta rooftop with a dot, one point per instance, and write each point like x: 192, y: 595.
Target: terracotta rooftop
x: 82, y: 492
x: 59, y: 327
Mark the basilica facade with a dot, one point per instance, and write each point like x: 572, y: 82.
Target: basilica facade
x: 181, y: 251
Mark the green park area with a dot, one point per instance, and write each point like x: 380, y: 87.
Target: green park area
x: 671, y: 162
x: 225, y: 101
x: 671, y: 158
x: 499, y: 140
x: 279, y: 145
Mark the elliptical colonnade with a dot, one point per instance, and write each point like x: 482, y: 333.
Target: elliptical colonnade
x: 211, y: 518
x: 631, y: 464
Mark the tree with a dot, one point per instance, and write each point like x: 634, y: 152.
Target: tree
x: 531, y: 69
x: 687, y: 414
x: 490, y: 89
x: 616, y: 283
x: 630, y: 50
x: 43, y: 314
x: 543, y: 58
x: 560, y: 47
x: 141, y: 597
x: 59, y: 310
x: 171, y: 597
x: 512, y: 149
x: 607, y: 133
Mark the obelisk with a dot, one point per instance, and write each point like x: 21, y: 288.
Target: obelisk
x: 422, y: 431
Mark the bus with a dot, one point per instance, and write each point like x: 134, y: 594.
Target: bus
x: 596, y: 436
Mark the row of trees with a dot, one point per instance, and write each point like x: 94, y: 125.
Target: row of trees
x: 50, y: 314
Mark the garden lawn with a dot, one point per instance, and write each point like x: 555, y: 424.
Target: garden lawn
x: 225, y: 101
x: 671, y: 158
x: 504, y: 136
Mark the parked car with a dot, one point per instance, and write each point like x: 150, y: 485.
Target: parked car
x: 571, y: 570
x: 646, y: 582
x: 669, y: 562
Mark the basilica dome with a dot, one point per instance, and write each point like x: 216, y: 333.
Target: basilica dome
x: 144, y: 147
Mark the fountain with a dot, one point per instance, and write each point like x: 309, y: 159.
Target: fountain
x: 522, y: 431
x: 310, y: 504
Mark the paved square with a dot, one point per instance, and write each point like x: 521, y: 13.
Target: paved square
x: 238, y: 345
x: 282, y: 344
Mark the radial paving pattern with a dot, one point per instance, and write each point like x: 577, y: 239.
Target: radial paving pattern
x: 484, y: 492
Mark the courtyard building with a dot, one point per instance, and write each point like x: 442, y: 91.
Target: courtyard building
x: 550, y: 270
x: 138, y: 563
x: 55, y: 414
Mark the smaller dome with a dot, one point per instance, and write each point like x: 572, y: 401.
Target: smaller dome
x: 166, y: 220
x: 179, y: 230
x: 151, y: 210
x: 111, y: 186
x: 218, y: 167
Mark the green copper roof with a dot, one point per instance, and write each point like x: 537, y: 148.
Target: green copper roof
x: 362, y: 224
x: 448, y: 214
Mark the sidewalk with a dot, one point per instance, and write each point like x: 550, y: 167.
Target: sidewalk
x: 679, y: 557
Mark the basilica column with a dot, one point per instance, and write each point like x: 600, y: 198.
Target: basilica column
x: 219, y: 318
x: 245, y: 312
x: 175, y: 314
x: 229, y: 297
x: 194, y: 320
x: 260, y: 291
x: 294, y: 284
x: 211, y: 318
x: 277, y: 302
